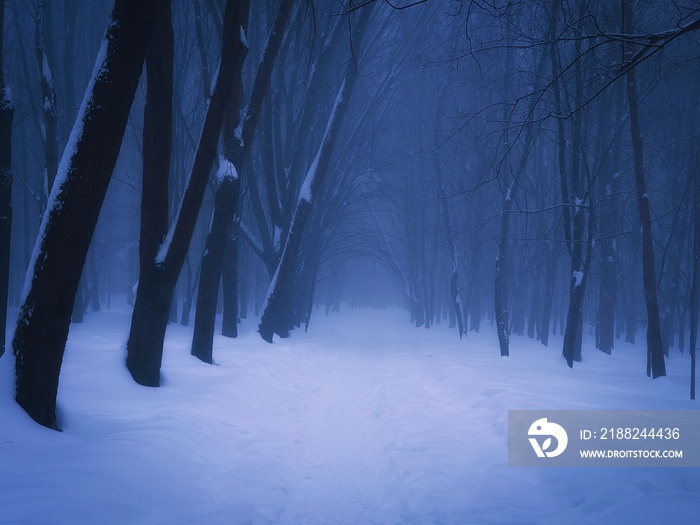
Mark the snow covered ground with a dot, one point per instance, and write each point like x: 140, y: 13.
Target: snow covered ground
x: 363, y: 420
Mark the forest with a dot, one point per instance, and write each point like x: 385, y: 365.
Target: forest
x: 304, y: 261
x: 528, y: 166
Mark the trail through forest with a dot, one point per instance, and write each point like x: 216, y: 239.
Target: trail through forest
x: 364, y: 420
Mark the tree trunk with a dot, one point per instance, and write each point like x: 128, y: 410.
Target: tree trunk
x: 459, y: 314
x: 695, y: 283
x: 205, y: 314
x: 74, y: 205
x: 607, y: 228
x: 575, y: 223
x: 6, y: 114
x: 48, y: 96
x: 145, y: 343
x: 187, y: 301
x: 550, y: 276
x: 227, y: 192
x: 656, y: 366
x: 500, y: 294
x: 535, y: 307
x: 157, y: 141
x: 78, y: 314
x: 229, y: 282
x: 275, y: 316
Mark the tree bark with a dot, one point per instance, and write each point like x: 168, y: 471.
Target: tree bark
x: 229, y: 284
x: 6, y: 114
x: 501, y: 296
x: 550, y: 275
x: 152, y: 306
x: 226, y: 201
x: 459, y: 313
x: 578, y: 195
x: 238, y: 149
x: 275, y: 316
x: 74, y: 205
x: 48, y: 95
x: 656, y: 366
x: 157, y: 140
x: 695, y: 283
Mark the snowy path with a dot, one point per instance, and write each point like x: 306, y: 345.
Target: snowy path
x: 364, y: 420
x: 340, y: 472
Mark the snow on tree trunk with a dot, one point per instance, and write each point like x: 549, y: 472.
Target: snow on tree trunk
x: 656, y: 366
x: 155, y: 290
x: 157, y: 140
x: 694, y: 301
x: 229, y: 284
x: 445, y: 216
x: 73, y: 208
x: 48, y: 98
x: 6, y: 115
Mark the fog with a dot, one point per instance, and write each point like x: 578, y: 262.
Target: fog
x: 525, y: 168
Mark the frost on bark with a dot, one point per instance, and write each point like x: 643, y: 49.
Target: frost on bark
x: 73, y: 208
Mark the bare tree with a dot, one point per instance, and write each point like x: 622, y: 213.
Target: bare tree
x: 275, y: 317
x: 6, y: 114
x: 48, y: 95
x: 74, y: 205
x: 655, y: 353
x: 227, y: 193
x: 157, y: 283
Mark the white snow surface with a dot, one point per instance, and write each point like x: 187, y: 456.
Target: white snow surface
x: 363, y: 420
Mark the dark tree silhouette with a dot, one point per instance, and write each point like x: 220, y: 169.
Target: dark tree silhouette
x: 157, y: 283
x: 277, y: 311
x: 6, y: 114
x: 74, y: 205
x: 227, y: 192
x: 655, y: 352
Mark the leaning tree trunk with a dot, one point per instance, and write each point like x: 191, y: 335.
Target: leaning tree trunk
x: 229, y: 284
x: 157, y: 284
x: 6, y: 113
x: 227, y: 191
x: 74, y: 205
x: 277, y: 308
x: 655, y: 351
